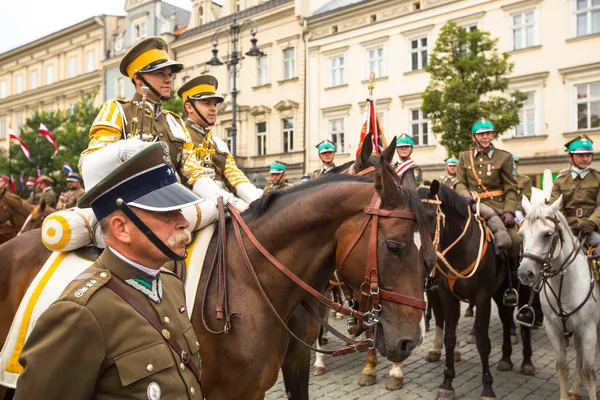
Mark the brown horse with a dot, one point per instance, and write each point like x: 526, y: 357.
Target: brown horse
x: 37, y: 216
x: 306, y: 228
x: 13, y: 214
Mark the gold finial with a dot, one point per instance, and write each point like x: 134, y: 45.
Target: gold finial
x: 371, y: 83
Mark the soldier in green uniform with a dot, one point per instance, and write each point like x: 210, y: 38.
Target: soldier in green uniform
x: 220, y: 175
x: 69, y: 199
x: 450, y: 177
x: 579, y: 187
x: 34, y: 193
x: 97, y: 340
x: 48, y: 194
x: 326, y: 151
x: 404, y: 149
x: 277, y: 170
x: 147, y: 65
x: 486, y: 172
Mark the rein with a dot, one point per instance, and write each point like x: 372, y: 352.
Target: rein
x: 369, y: 319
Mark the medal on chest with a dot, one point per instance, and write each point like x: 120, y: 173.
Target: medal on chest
x: 489, y: 170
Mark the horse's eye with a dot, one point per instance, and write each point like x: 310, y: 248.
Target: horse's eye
x: 547, y: 235
x: 393, y: 247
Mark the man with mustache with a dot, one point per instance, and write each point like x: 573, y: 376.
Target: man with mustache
x: 121, y: 329
x: 220, y: 175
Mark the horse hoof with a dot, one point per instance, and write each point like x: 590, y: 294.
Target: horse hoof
x: 394, y: 383
x: 444, y: 394
x: 504, y: 365
x: 433, y: 356
x: 488, y: 397
x: 318, y: 371
x: 367, y: 379
x: 324, y: 340
x: 527, y: 369
x: 468, y: 313
x: 573, y: 396
x: 514, y: 339
x: 470, y: 339
x: 457, y: 356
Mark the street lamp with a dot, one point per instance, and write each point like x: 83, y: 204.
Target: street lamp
x: 233, y: 63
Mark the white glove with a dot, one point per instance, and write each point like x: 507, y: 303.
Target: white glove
x: 247, y: 192
x: 209, y: 172
x: 239, y: 204
x: 208, y: 189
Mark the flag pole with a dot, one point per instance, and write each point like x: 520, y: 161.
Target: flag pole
x: 9, y: 163
x: 37, y: 145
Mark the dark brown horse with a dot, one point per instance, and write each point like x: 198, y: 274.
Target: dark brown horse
x: 306, y: 228
x: 489, y: 281
x: 13, y: 214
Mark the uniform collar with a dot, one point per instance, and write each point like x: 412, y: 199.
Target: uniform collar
x: 190, y: 123
x: 137, y: 98
x: 489, y: 152
x: 329, y: 167
x: 575, y: 172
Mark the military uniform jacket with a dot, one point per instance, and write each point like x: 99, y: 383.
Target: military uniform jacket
x: 70, y: 199
x: 91, y: 344
x: 416, y: 170
x: 113, y: 123
x: 323, y: 170
x: 448, y: 180
x: 49, y: 197
x: 577, y: 194
x: 207, y: 146
x: 271, y: 187
x: 523, y: 187
x: 34, y: 197
x: 494, y: 172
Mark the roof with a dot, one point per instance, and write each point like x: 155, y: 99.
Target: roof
x: 183, y: 16
x: 334, y: 5
x: 229, y: 18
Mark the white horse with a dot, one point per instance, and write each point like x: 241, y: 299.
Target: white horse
x: 553, y: 258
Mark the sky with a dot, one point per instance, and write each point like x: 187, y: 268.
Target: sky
x: 23, y: 21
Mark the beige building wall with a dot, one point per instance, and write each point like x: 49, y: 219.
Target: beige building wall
x: 270, y: 90
x: 555, y: 63
x: 51, y: 73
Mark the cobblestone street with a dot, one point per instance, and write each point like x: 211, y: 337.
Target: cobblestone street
x: 421, y: 379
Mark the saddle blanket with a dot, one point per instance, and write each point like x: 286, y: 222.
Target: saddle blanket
x: 58, y: 271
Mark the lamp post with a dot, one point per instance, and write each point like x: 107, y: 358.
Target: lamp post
x: 233, y: 63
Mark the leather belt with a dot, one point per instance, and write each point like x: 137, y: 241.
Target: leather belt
x: 493, y: 193
x: 578, y: 212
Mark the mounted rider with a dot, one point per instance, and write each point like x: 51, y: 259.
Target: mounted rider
x: 69, y: 199
x: 220, y: 176
x: 326, y: 150
x: 277, y: 170
x: 404, y: 149
x: 579, y: 187
x: 5, y: 182
x: 486, y: 173
x: 450, y: 177
x: 48, y: 194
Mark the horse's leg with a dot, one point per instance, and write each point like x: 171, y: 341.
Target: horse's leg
x: 482, y: 325
x: 562, y: 365
x: 435, y: 352
x: 319, y: 365
x: 368, y: 375
x: 527, y: 367
x: 396, y: 379
x: 505, y: 313
x: 574, y: 393
x: 588, y: 349
x: 451, y: 310
x: 472, y: 336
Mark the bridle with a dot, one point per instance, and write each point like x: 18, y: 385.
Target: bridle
x: 547, y: 272
x: 370, y: 288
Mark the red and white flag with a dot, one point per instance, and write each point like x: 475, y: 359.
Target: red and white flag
x: 46, y: 133
x: 372, y: 126
x: 13, y: 136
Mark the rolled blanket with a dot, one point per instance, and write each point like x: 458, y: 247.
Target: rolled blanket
x: 493, y: 221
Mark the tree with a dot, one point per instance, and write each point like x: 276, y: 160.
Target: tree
x: 174, y: 104
x: 70, y: 128
x: 468, y: 81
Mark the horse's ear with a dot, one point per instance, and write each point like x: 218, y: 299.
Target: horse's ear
x: 434, y: 188
x: 526, y: 205
x: 42, y: 204
x: 386, y: 183
x: 556, y: 206
x: 388, y: 153
x: 365, y: 151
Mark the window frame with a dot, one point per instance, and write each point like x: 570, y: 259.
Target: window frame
x: 3, y: 130
x: 19, y: 84
x: 588, y: 100
x: 339, y: 148
x: 419, y: 52
x: 339, y: 67
x: 289, y: 64
x: 422, y: 120
x: 261, y: 139
x: 88, y: 67
x: 33, y: 81
x: 259, y: 70
x: 287, y: 135
x: 523, y: 26
x: 136, y: 36
x: 588, y: 11
x: 378, y: 60
x: 72, y: 63
x: 49, y: 76
x: 523, y: 114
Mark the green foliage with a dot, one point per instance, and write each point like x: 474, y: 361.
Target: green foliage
x: 70, y: 128
x: 175, y: 104
x: 468, y: 82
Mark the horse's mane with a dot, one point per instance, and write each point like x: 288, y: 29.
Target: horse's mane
x: 258, y: 207
x: 413, y: 202
x: 450, y: 200
x: 373, y: 160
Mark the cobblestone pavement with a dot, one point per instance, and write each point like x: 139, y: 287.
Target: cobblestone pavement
x: 421, y: 379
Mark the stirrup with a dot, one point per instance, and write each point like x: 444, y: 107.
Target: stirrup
x: 350, y: 323
x: 431, y: 283
x: 510, y: 298
x: 526, y: 316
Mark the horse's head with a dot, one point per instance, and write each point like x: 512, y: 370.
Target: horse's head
x: 445, y: 209
x: 546, y: 234
x: 37, y: 216
x: 393, y: 254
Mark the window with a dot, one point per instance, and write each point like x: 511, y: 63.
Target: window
x: 118, y: 43
x: 263, y: 71
x: 336, y: 71
x: 472, y: 27
x: 139, y: 30
x: 90, y: 59
x: 381, y: 116
x: 200, y: 20
x: 238, y: 5
x: 229, y: 138
x: 18, y: 84
x: 261, y: 139
x: 288, y: 134
x: 2, y: 129
x: 289, y: 63
x: 375, y: 62
x: 32, y: 79
x: 49, y: 74
x: 522, y: 29
x: 120, y: 88
x: 588, y: 106
x: 19, y: 123
x: 72, y: 67
x: 2, y: 89
x: 587, y: 16
x: 527, y: 124
x: 336, y: 134
x: 419, y: 127
x: 418, y: 53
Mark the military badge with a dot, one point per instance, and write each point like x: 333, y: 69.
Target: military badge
x: 153, y: 391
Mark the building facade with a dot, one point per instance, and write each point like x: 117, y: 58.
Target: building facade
x: 551, y: 43
x: 52, y: 72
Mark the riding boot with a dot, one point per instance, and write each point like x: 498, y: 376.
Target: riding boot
x: 511, y: 295
x: 537, y: 308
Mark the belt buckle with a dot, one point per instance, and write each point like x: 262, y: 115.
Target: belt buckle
x: 579, y: 213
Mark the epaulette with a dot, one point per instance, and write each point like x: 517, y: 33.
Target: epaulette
x: 173, y: 114
x: 121, y: 100
x: 563, y: 171
x: 89, y: 283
